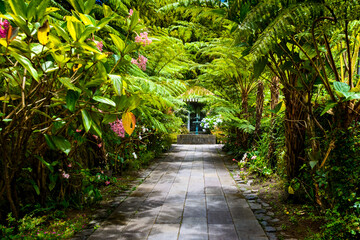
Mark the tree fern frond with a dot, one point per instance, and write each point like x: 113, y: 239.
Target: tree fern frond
x: 288, y: 21
x: 120, y: 6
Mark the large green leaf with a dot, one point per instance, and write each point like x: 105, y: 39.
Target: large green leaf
x: 18, y: 7
x: 121, y: 102
x: 104, y: 100
x: 21, y: 23
x: 117, y: 83
x: 134, y: 20
x: 50, y: 142
x: 344, y: 90
x: 68, y: 84
x: 71, y: 98
x: 27, y: 65
x: 60, y: 31
x: 75, y: 27
x: 259, y: 67
x: 78, y: 5
x: 87, y: 121
x: 109, y: 118
x: 102, y: 23
x: 58, y: 143
x: 31, y: 9
x: 277, y: 108
x: 88, y: 6
x: 87, y: 20
x: 88, y: 30
x: 341, y: 87
x: 62, y: 144
x: 134, y: 102
x: 119, y: 43
x: 328, y: 107
x: 97, y: 129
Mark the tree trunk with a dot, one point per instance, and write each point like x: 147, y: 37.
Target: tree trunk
x: 295, y: 131
x: 259, y: 108
x: 245, y: 115
x: 245, y: 105
x: 274, y: 89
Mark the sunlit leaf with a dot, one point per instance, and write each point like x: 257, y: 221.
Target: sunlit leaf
x: 18, y: 7
x: 8, y: 97
x: 26, y: 64
x: 129, y: 122
x: 117, y: 83
x: 76, y: 67
x: 341, y: 87
x: 119, y: 43
x: 43, y: 33
x: 290, y: 190
x: 328, y: 107
x: 313, y: 164
x: 104, y: 100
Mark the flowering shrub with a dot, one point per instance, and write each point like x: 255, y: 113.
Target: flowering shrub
x: 140, y: 62
x: 4, y: 27
x: 118, y: 128
x: 58, y: 68
x: 143, y: 38
x: 211, y: 122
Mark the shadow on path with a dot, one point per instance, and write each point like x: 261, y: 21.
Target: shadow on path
x: 189, y: 195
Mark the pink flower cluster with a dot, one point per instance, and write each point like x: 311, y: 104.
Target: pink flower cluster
x: 140, y: 62
x: 131, y: 12
x: 64, y: 174
x: 99, y: 45
x: 4, y: 27
x: 143, y: 38
x: 118, y: 128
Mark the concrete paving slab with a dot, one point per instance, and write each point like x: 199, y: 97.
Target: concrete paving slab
x: 164, y: 232
x: 188, y: 195
x: 222, y: 232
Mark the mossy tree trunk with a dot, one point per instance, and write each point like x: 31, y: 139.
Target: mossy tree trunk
x: 274, y: 89
x: 259, y: 108
x: 295, y: 130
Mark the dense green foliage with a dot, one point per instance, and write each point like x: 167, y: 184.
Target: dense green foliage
x: 77, y: 103
x: 281, y: 77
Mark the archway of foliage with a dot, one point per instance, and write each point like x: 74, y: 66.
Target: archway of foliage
x: 67, y: 72
x: 282, y: 76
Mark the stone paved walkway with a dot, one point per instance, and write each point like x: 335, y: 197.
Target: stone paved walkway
x: 190, y: 195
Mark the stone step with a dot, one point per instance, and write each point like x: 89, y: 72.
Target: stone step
x: 196, y: 139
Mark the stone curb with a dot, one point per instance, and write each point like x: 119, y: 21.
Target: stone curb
x: 261, y: 209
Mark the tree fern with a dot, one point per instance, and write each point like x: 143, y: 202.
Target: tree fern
x: 276, y: 20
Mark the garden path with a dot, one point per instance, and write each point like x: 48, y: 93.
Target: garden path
x: 189, y: 195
